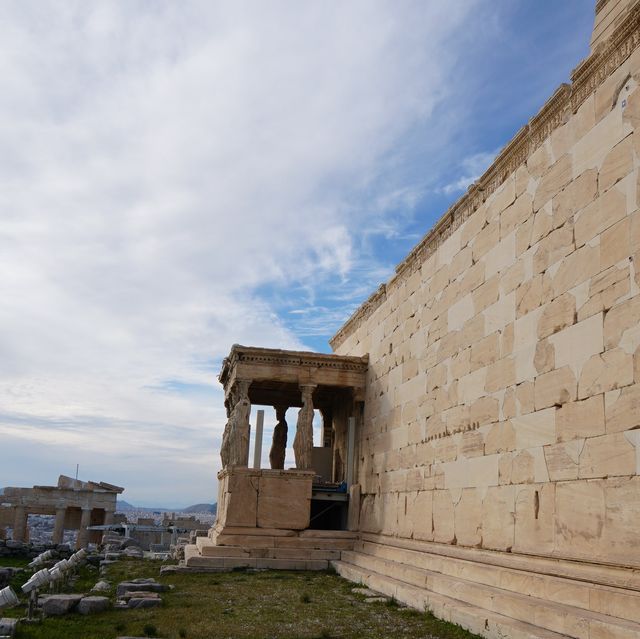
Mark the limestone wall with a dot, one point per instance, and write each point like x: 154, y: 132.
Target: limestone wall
x: 503, y: 398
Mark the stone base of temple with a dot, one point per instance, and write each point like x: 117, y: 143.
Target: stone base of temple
x: 498, y: 594
x: 229, y: 548
x: 261, y: 498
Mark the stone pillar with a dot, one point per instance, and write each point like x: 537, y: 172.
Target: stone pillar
x: 109, y: 516
x: 83, y: 533
x: 279, y: 443
x: 257, y: 449
x: 58, y: 527
x: 303, y: 441
x: 20, y: 524
x: 235, y: 440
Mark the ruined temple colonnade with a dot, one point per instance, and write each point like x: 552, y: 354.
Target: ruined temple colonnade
x: 76, y: 505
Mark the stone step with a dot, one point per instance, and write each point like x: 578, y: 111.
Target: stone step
x: 330, y: 534
x: 264, y: 541
x: 554, y: 616
x: 617, y: 602
x: 252, y: 530
x: 207, y: 549
x: 231, y: 563
x: 488, y: 624
x: 607, y: 575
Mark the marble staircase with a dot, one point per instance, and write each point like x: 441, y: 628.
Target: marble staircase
x: 496, y: 594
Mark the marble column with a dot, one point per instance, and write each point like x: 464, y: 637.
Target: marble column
x: 303, y: 441
x: 83, y: 533
x: 279, y: 443
x: 20, y: 524
x: 58, y: 527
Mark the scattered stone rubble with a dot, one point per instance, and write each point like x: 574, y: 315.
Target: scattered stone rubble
x: 140, y: 593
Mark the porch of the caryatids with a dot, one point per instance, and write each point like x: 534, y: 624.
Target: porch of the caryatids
x: 303, y: 441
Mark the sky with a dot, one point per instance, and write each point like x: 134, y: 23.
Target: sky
x: 177, y: 177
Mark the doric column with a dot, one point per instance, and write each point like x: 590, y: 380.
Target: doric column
x: 303, y: 441
x: 279, y: 443
x: 58, y: 527
x: 20, y: 521
x: 83, y: 534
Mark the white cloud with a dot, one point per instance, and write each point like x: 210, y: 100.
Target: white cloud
x: 471, y: 168
x: 159, y: 163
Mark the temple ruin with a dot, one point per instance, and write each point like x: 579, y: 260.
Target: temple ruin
x: 76, y: 504
x: 492, y: 387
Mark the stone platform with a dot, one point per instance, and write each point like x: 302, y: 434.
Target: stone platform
x: 275, y: 548
x: 497, y: 593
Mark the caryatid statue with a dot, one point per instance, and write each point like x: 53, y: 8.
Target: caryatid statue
x: 235, y: 440
x: 303, y: 441
x: 279, y: 443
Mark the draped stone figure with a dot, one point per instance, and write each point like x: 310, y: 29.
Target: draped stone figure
x: 303, y: 441
x: 235, y: 440
x: 279, y: 443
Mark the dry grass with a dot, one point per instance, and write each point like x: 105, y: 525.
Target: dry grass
x: 245, y: 605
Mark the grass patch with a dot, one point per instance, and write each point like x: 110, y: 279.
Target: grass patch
x: 260, y: 605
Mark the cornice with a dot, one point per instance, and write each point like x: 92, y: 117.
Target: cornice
x: 277, y: 357
x: 566, y: 100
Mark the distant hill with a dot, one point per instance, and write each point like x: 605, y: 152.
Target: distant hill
x: 124, y: 506
x: 200, y: 508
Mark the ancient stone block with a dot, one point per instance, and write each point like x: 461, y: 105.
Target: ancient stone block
x: 472, y: 444
x: 555, y: 178
x: 607, y: 455
x: 615, y: 244
x: 484, y: 410
x: 522, y: 470
x: 485, y: 240
x: 534, y: 519
x: 557, y: 315
x: 581, y: 192
x: 485, y: 352
x: 498, y: 513
x: 468, y: 518
x: 443, y: 517
x: 525, y: 397
x: 555, y: 388
x: 544, y: 359
x: 602, y: 213
x: 575, y: 345
x: 501, y: 437
x: 284, y: 502
x: 622, y: 409
x: 563, y: 460
x: 619, y: 319
x: 576, y: 268
x: 532, y: 293
x: 605, y: 289
x: 580, y: 515
x: 423, y: 515
x: 486, y: 294
x: 607, y: 371
x: 581, y: 419
x: 500, y: 374
x: 516, y: 214
x: 552, y: 248
x: 499, y: 258
x: 535, y: 429
x: 617, y: 164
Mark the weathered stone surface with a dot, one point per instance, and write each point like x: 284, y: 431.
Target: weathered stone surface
x: 607, y: 456
x: 619, y: 319
x: 581, y: 419
x: 144, y: 585
x: 582, y: 191
x: 144, y: 603
x: 53, y: 605
x: 562, y: 460
x: 498, y: 517
x: 91, y: 605
x: 617, y: 164
x: 608, y: 371
x: 8, y: 627
x: 557, y: 315
x: 602, y: 213
x: 555, y: 388
x: 555, y: 178
x: 622, y: 409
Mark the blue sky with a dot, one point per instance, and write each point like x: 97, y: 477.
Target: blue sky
x: 179, y: 177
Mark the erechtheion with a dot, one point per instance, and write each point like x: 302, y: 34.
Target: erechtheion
x: 483, y: 406
x: 76, y: 505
